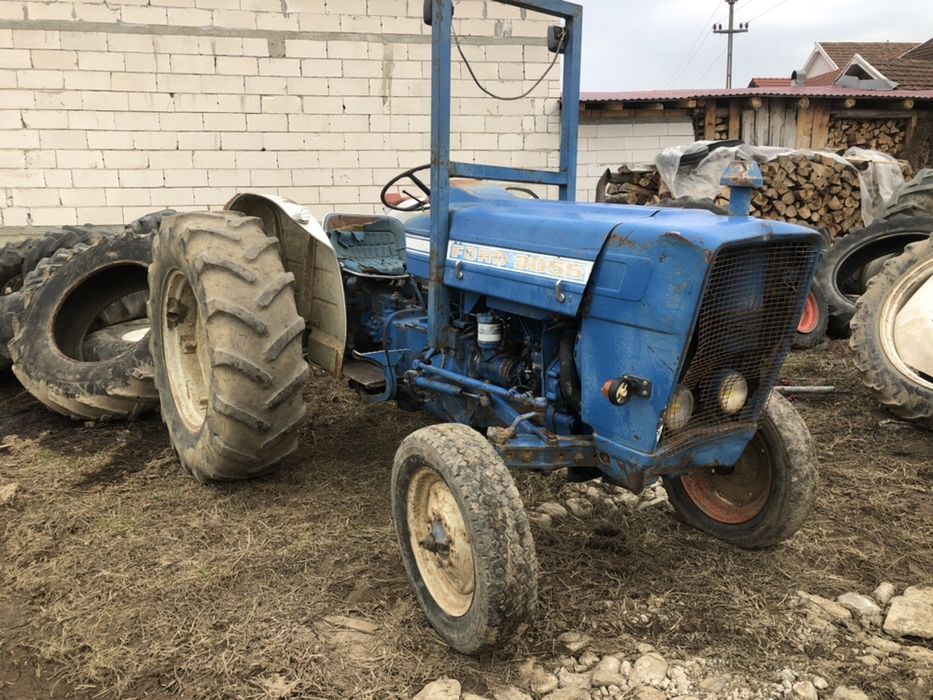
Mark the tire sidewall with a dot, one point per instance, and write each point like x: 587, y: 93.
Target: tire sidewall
x: 462, y: 631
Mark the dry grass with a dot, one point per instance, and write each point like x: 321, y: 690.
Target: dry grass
x: 131, y: 580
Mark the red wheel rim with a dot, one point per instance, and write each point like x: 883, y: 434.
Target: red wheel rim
x: 736, y: 497
x: 810, y: 317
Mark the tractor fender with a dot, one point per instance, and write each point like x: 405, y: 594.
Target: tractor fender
x: 308, y: 254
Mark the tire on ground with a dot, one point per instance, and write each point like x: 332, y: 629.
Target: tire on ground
x: 63, y: 298
x: 503, y: 598
x: 114, y: 339
x: 226, y: 340
x: 839, y: 273
x: 811, y: 331
x: 19, y: 259
x: 913, y: 198
x: 904, y: 391
x: 791, y: 487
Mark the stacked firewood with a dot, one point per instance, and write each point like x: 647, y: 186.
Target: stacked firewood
x: 885, y: 135
x: 643, y: 186
x: 814, y: 190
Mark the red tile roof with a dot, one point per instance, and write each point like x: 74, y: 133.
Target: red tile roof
x: 825, y: 78
x: 770, y: 82
x: 908, y: 74
x: 806, y: 91
x: 842, y: 51
x: 924, y: 52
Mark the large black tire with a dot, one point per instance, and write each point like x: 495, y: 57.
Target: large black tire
x: 63, y: 298
x: 905, y: 391
x: 19, y: 259
x: 478, y: 525
x: 114, y: 339
x: 840, y: 269
x: 913, y: 198
x: 811, y: 330
x: 769, y: 494
x: 226, y: 341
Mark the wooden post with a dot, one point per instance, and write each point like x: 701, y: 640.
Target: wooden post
x: 709, y: 122
x: 804, y: 126
x: 820, y: 134
x: 735, y: 119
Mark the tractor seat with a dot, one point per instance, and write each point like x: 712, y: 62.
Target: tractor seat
x: 369, y: 245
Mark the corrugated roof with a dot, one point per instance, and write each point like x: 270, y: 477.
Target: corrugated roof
x: 842, y: 51
x: 807, y: 91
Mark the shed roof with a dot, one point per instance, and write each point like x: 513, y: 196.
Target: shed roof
x: 805, y: 91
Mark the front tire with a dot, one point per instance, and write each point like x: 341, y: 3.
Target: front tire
x: 465, y: 540
x: 226, y: 344
x: 766, y: 497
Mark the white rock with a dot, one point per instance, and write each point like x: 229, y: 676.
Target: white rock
x: 473, y: 696
x: 7, y: 492
x: 567, y: 679
x: 713, y: 684
x: 574, y: 641
x: 644, y: 648
x: 679, y: 678
x: 595, y: 495
x: 511, y: 693
x: 804, y: 690
x: 580, y: 507
x: 606, y: 673
x: 442, y: 689
x: 650, y: 668
x: 920, y: 654
x: 646, y: 692
x: 911, y: 614
x: 587, y: 660
x: 540, y: 682
x: 542, y: 520
x: 819, y: 683
x: 869, y: 660
x: 859, y: 604
x: 884, y: 592
x: 567, y: 694
x: 846, y: 693
x: 552, y: 508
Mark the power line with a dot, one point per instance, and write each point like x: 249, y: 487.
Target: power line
x: 767, y: 11
x: 715, y: 61
x: 691, y: 53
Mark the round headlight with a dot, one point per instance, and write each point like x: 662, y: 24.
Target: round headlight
x: 680, y: 410
x: 732, y: 392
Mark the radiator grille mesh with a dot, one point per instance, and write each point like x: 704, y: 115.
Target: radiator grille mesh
x: 752, y: 302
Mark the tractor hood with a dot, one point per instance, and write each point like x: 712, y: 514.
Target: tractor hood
x: 541, y: 255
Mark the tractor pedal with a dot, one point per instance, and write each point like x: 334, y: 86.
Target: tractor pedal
x: 368, y: 375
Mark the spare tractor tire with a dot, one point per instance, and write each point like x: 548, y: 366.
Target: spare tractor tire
x: 111, y: 341
x: 902, y: 386
x: 19, y: 259
x: 839, y: 273
x: 226, y: 344
x: 811, y: 329
x: 63, y: 298
x: 913, y: 198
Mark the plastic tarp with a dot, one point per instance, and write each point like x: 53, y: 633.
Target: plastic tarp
x: 696, y: 169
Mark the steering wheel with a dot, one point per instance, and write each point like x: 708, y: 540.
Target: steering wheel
x: 422, y: 204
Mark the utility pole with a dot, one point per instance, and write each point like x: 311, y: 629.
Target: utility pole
x: 717, y: 29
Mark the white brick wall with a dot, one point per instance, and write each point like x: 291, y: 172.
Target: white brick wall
x: 609, y: 143
x: 109, y: 109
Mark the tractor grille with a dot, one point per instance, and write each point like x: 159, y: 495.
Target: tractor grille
x: 752, y: 303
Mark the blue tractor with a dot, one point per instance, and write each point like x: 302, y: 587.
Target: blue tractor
x: 619, y: 343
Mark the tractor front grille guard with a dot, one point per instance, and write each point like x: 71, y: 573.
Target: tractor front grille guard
x: 751, y: 305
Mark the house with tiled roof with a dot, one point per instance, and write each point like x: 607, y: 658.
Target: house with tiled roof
x: 877, y: 65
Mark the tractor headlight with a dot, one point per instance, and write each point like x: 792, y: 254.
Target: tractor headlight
x: 680, y: 409
x: 731, y: 391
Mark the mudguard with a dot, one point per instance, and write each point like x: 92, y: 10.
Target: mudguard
x: 309, y: 255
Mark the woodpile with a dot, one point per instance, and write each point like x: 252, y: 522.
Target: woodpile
x: 802, y: 188
x: 885, y: 135
x: 813, y: 190
x: 627, y: 186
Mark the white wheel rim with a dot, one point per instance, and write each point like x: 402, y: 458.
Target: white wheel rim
x: 902, y: 291
x: 186, y: 350
x: 441, y: 543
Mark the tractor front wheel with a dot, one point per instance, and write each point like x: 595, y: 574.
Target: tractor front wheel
x: 465, y: 540
x: 766, y: 496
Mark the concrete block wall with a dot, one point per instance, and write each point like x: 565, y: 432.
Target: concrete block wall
x: 113, y: 108
x: 609, y: 143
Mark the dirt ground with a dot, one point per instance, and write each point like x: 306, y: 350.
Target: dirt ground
x: 120, y: 577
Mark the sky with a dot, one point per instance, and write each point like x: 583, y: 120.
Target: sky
x: 661, y: 44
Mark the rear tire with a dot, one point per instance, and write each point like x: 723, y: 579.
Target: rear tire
x: 464, y: 536
x: 811, y: 330
x: 769, y: 494
x: 226, y: 342
x: 906, y: 392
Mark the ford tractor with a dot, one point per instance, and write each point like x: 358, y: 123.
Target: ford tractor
x: 621, y: 343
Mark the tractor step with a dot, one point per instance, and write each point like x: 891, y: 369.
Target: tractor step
x: 368, y: 375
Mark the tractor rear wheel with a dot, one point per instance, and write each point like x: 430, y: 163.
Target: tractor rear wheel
x: 766, y: 496
x: 226, y: 342
x: 465, y: 539
x: 811, y: 329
